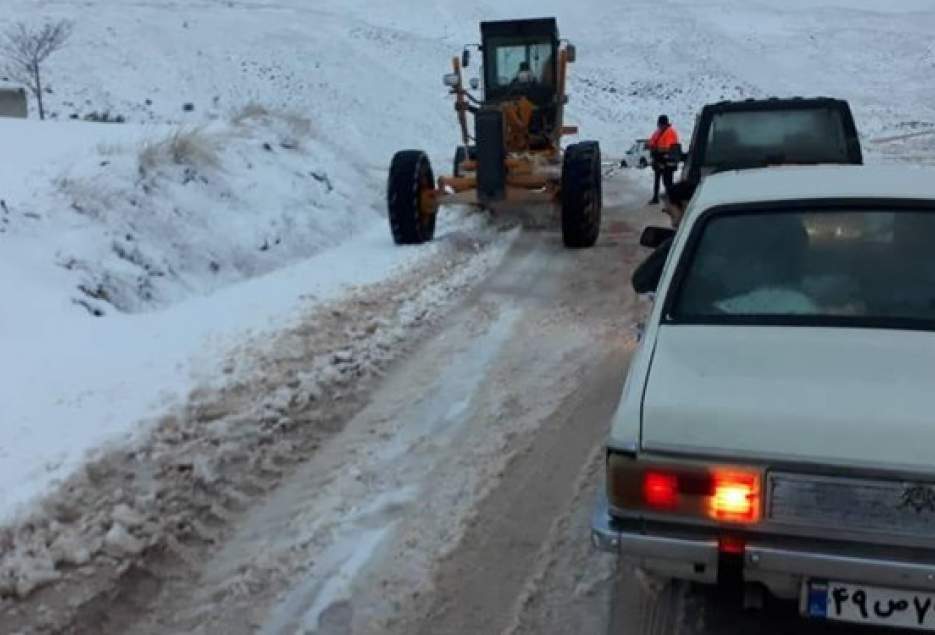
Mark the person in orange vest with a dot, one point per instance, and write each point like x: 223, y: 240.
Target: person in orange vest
x: 661, y: 143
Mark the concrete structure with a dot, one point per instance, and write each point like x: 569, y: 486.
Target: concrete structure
x: 14, y: 103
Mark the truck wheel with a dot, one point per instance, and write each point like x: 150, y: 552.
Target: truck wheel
x: 462, y: 154
x: 581, y: 195
x: 410, y: 197
x: 643, y: 163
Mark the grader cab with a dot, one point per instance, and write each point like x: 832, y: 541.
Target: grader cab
x: 513, y: 152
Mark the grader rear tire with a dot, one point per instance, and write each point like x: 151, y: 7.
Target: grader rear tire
x: 581, y: 195
x: 409, y: 189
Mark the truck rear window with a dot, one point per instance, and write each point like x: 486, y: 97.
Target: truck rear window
x: 862, y: 267
x: 760, y: 138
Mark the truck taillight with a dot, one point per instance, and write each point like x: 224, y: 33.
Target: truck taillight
x: 736, y: 497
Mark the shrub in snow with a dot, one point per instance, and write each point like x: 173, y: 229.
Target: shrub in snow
x: 104, y: 117
x: 195, y: 148
x: 292, y: 129
x: 88, y: 197
x: 296, y: 129
x: 91, y: 309
x: 253, y: 110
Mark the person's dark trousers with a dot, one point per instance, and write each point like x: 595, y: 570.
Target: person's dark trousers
x: 668, y: 175
x: 662, y: 172
x: 658, y: 175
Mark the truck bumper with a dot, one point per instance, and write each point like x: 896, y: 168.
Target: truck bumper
x: 783, y: 566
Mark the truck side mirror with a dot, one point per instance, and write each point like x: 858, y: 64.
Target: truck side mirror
x: 572, y: 53
x: 465, y: 58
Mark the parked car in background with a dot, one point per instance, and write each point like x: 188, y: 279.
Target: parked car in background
x: 777, y: 426
x: 637, y: 156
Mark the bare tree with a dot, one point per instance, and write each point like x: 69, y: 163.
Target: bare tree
x: 26, y: 49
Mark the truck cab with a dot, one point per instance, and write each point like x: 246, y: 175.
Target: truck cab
x: 522, y: 74
x: 520, y: 59
x: 739, y: 135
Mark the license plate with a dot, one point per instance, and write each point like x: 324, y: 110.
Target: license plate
x: 862, y: 604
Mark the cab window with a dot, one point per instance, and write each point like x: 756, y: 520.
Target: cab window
x: 510, y: 57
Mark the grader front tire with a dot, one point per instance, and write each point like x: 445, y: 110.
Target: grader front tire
x: 581, y: 195
x: 410, y: 198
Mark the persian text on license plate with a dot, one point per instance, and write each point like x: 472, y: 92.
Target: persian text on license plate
x: 856, y: 603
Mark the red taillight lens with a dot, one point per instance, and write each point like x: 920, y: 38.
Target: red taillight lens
x: 660, y: 490
x: 736, y: 497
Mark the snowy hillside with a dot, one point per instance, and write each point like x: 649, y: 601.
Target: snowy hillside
x: 247, y: 185
x: 354, y: 67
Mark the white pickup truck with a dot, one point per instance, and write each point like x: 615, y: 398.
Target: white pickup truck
x: 777, y: 427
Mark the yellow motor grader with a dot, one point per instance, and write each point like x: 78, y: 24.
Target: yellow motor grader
x: 514, y: 152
